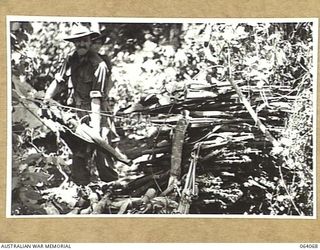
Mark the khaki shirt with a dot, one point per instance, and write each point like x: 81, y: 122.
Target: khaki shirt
x: 79, y: 78
x: 82, y: 72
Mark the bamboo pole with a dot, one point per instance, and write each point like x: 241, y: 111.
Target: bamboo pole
x: 253, y: 114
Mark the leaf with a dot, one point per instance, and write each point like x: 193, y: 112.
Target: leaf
x: 275, y: 36
x: 15, y: 56
x: 164, y: 99
x: 281, y: 57
x: 27, y: 115
x: 33, y: 195
x: 27, y: 27
x: 15, y: 97
x: 26, y: 112
x: 23, y: 88
x: 32, y: 158
x: 56, y: 160
x: 150, y: 46
x: 14, y: 26
x: 209, y: 55
x: 35, y: 178
x: 30, y: 197
x: 15, y: 183
x: 240, y: 32
x: 39, y: 95
x: 229, y: 33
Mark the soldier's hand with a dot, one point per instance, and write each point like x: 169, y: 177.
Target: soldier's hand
x: 58, y: 77
x: 45, y: 111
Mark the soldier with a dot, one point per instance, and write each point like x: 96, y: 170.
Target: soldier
x: 86, y: 75
x: 109, y: 131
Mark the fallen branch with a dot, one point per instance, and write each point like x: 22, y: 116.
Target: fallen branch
x: 254, y: 115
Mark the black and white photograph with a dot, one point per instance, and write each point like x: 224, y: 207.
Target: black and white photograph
x: 154, y: 117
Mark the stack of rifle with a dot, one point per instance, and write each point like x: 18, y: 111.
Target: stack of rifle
x: 232, y: 147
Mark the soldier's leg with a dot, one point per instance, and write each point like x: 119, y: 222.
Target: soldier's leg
x: 80, y: 173
x: 104, y: 165
x: 79, y: 170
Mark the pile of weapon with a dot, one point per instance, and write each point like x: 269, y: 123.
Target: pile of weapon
x: 209, y: 147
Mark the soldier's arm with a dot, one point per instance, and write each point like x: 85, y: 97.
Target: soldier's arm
x: 51, y: 91
x: 98, y: 91
x: 96, y: 95
x: 55, y: 86
x: 109, y: 83
x: 95, y: 116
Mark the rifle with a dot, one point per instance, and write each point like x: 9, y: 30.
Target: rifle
x: 190, y: 189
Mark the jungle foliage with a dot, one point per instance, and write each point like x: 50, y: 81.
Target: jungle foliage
x: 160, y: 70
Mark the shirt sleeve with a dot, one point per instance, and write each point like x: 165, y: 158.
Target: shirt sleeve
x: 109, y: 83
x: 64, y: 72
x: 101, y: 77
x: 61, y: 78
